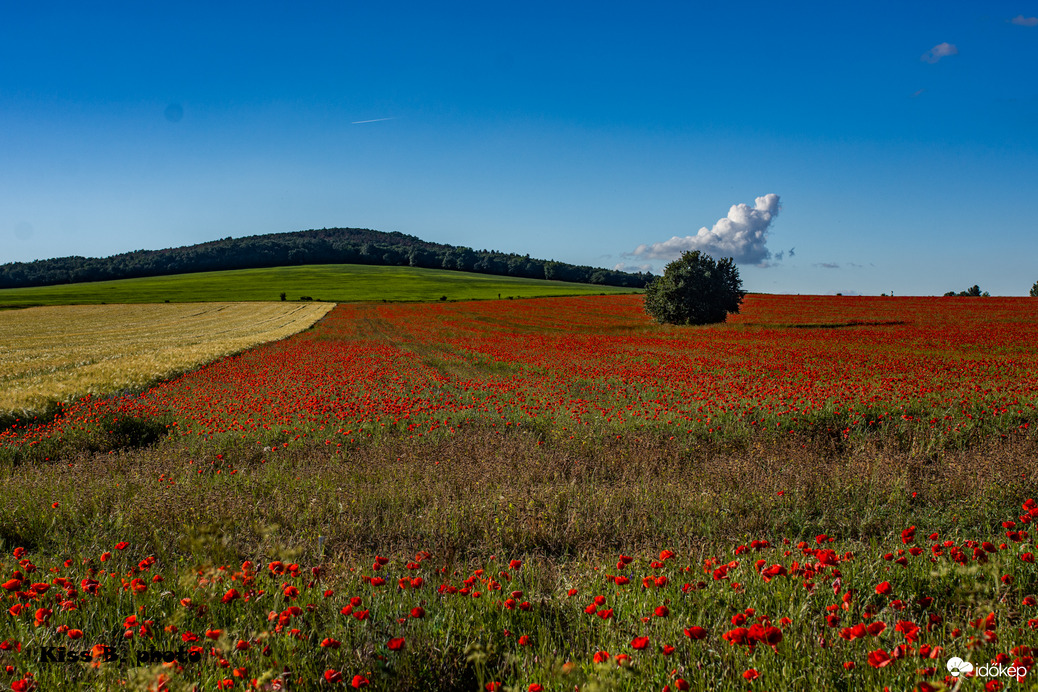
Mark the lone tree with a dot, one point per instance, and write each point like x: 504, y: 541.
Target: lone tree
x: 695, y: 289
x: 1034, y: 290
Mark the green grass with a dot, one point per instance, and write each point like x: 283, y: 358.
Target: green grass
x: 480, y: 498
x: 341, y: 283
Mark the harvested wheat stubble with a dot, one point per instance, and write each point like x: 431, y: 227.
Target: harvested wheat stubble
x: 59, y: 352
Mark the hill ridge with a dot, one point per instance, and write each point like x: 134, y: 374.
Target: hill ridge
x: 312, y: 246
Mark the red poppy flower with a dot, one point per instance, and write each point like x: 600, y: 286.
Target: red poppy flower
x: 359, y: 681
x: 879, y: 658
x: 332, y: 675
x: 695, y: 632
x: 884, y: 589
x: 751, y: 674
x: 875, y: 628
x: 640, y: 642
x: 395, y: 644
x: 42, y: 616
x: 739, y: 635
x: 907, y: 628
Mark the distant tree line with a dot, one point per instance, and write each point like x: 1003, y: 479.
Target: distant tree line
x: 324, y: 246
x: 971, y: 292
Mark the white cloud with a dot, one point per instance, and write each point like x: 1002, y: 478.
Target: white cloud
x: 1021, y: 20
x: 624, y: 267
x: 742, y: 235
x: 941, y: 50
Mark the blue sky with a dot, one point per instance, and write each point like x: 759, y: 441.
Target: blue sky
x: 900, y: 138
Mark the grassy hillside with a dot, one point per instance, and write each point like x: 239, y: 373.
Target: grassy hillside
x: 337, y: 283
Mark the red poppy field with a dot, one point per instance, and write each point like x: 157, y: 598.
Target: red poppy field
x: 824, y: 492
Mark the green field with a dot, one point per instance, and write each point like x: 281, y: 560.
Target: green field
x: 339, y: 283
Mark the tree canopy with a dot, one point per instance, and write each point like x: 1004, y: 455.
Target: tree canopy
x: 695, y: 289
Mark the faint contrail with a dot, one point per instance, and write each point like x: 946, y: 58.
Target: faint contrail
x: 376, y: 120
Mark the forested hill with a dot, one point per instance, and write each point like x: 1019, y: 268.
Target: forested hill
x: 324, y: 246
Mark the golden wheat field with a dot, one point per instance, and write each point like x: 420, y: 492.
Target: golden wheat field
x: 59, y: 352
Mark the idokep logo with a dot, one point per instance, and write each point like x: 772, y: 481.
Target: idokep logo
x: 957, y: 667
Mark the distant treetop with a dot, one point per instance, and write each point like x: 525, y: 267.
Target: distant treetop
x: 971, y: 292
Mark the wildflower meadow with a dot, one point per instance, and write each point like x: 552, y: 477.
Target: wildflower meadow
x: 552, y: 494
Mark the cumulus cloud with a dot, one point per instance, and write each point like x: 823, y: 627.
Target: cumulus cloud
x: 941, y: 50
x: 742, y: 235
x: 1021, y: 20
x: 624, y: 267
